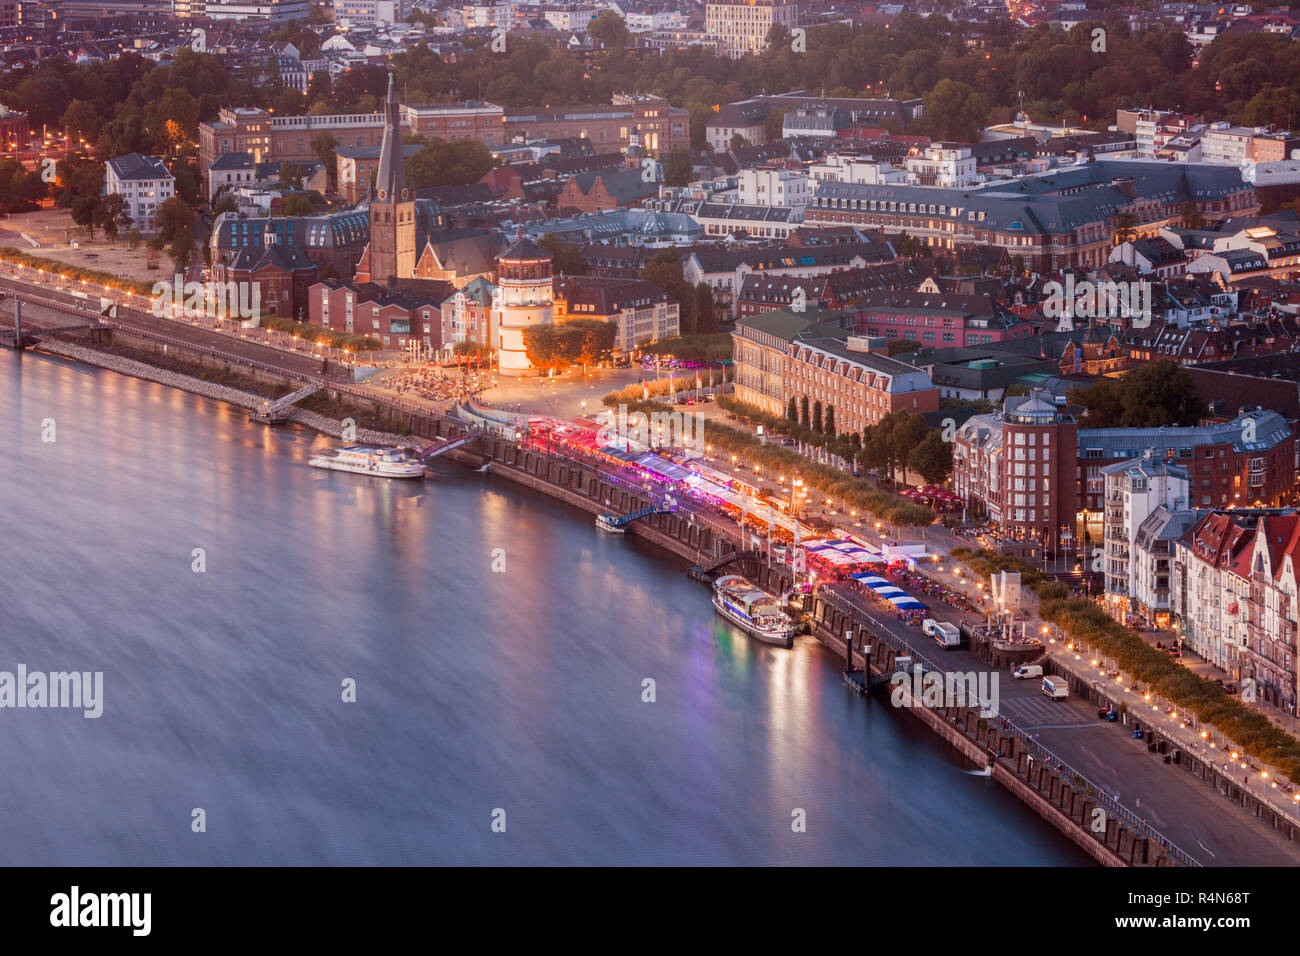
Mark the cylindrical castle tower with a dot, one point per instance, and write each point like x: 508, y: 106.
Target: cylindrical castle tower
x: 524, y: 299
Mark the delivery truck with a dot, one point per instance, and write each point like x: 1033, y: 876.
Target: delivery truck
x: 1056, y: 687
x: 945, y: 635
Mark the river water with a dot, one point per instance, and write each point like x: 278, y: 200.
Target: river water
x: 498, y: 644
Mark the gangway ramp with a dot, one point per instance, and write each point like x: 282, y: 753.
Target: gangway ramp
x: 277, y: 411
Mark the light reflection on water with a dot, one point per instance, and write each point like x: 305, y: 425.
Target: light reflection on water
x: 475, y: 690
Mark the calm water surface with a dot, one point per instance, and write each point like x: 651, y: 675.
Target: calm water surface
x: 476, y: 690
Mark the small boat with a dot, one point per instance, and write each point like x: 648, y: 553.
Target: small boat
x: 370, y: 460
x: 753, y: 610
x: 610, y: 523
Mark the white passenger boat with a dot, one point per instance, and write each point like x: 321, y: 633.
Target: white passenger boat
x: 370, y: 460
x: 609, y: 523
x: 753, y: 610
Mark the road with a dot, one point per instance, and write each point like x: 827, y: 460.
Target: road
x: 191, y: 334
x: 1199, y: 821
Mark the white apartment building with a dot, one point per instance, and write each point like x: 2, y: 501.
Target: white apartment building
x: 948, y: 165
x: 658, y: 20
x: 271, y: 11
x: 487, y: 15
x: 839, y: 168
x: 144, y: 181
x: 774, y: 187
x: 743, y: 27
x: 356, y: 13
x: 571, y: 19
x: 1133, y: 490
x: 1152, y: 560
x: 1225, y: 145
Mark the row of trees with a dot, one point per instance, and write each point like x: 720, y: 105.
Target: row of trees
x: 133, y: 104
x: 899, y: 444
x: 577, y: 342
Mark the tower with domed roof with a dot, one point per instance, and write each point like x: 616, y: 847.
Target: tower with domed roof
x: 524, y: 298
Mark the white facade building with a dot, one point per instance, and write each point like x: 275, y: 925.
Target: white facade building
x: 144, y: 181
x: 774, y: 187
x: 947, y: 165
x: 839, y: 168
x: 743, y: 27
x: 1133, y: 490
x: 271, y: 11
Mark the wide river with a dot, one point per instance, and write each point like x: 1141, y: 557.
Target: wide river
x: 498, y: 643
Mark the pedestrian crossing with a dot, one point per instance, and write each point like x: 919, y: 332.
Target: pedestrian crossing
x: 1036, y: 712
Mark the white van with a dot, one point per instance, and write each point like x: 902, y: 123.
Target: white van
x: 1025, y: 671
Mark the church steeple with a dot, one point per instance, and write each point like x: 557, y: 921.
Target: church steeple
x: 392, y: 208
x: 390, y: 176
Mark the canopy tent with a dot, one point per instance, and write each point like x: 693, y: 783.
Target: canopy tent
x: 890, y: 592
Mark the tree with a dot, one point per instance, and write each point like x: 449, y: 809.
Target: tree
x: 817, y: 416
x: 706, y: 313
x: 792, y: 412
x: 1152, y: 395
x: 567, y: 258
x: 803, y: 412
x: 664, y: 269
x: 774, y: 125
x: 175, y: 232
x: 84, y: 211
x: 82, y: 117
x: 610, y: 29
x: 20, y: 188
x: 442, y: 163
x: 322, y: 147
x: 932, y: 458
x: 677, y: 167
x: 113, y: 215
x: 296, y: 204
x: 830, y: 420
x: 225, y: 203
x: 737, y: 141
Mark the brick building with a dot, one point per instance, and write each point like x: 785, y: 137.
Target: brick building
x: 783, y: 354
x: 410, y: 311
x: 939, y: 318
x: 1246, y: 462
x: 282, y: 275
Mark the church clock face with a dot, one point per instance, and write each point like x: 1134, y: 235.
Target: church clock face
x: 383, y: 194
x: 405, y: 193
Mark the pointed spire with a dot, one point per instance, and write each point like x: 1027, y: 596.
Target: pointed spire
x: 390, y: 176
